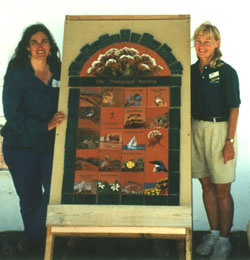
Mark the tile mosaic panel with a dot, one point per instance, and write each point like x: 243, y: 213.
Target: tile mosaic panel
x: 123, y: 134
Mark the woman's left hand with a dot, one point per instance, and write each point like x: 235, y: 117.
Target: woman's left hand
x: 56, y: 120
x: 228, y: 152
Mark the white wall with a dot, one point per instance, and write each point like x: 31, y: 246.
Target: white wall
x: 10, y: 217
x: 230, y: 17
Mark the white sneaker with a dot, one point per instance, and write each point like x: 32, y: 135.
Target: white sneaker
x: 207, y: 245
x: 221, y: 250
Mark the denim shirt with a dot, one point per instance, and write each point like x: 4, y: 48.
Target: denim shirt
x: 214, y: 91
x: 28, y: 105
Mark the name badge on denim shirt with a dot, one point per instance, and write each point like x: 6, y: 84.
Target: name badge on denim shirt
x: 214, y: 77
x: 55, y: 83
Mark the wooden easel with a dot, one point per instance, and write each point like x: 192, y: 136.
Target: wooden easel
x: 172, y: 222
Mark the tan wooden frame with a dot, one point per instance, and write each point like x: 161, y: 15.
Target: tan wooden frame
x: 174, y: 222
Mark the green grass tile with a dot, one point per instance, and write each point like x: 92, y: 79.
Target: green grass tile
x: 86, y: 49
x: 175, y: 81
x: 154, y: 45
x: 146, y: 39
x: 69, y: 161
x: 174, y: 119
x: 174, y: 161
x: 132, y: 200
x: 70, y: 141
x: 95, y: 46
x: 125, y: 35
x: 68, y: 182
x: 115, y: 38
x: 156, y: 200
x: 85, y: 199
x: 175, y: 96
x: 174, y: 138
x: 174, y: 183
x: 74, y: 69
x: 135, y: 37
x: 164, y: 50
x: 73, y: 99
x: 170, y: 58
x: 81, y: 59
x: 176, y: 68
x: 174, y: 200
x: 67, y: 198
x: 105, y: 40
x: 108, y: 199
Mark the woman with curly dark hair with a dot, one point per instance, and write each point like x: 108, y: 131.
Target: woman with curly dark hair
x: 30, y: 99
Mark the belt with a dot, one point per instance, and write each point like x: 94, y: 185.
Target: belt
x: 211, y: 119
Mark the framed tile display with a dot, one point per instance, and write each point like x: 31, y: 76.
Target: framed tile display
x: 125, y: 87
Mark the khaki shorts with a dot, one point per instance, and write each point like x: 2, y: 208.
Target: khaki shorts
x: 208, y: 140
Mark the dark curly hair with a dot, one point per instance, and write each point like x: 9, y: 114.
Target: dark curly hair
x: 21, y: 54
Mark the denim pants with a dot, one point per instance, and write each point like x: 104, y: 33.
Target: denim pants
x: 31, y: 175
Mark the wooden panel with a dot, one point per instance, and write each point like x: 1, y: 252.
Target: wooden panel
x: 123, y: 216
x: 128, y: 232
x: 126, y: 17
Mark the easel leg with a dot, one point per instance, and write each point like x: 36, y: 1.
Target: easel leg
x: 181, y: 249
x: 49, y: 245
x: 189, y: 245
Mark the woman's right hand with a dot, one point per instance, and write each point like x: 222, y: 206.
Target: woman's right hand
x: 56, y: 120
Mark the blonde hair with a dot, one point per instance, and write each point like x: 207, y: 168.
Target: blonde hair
x: 213, y: 32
